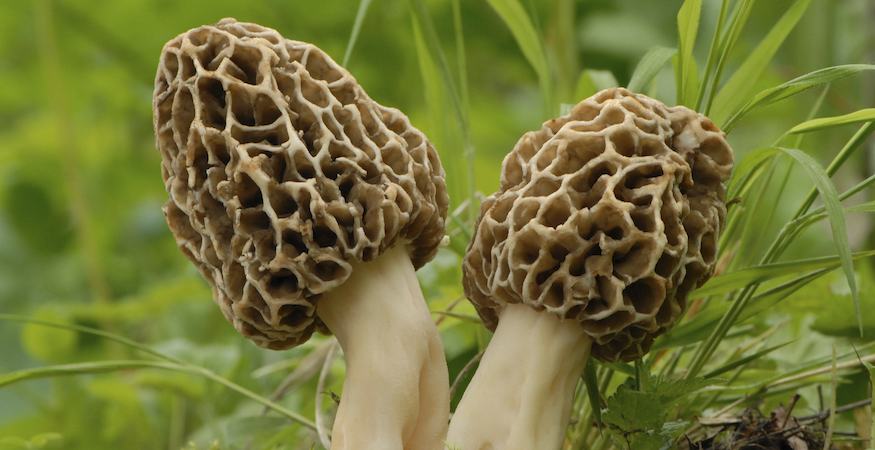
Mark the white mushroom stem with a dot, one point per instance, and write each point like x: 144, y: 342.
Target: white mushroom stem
x: 396, y: 392
x: 521, y: 396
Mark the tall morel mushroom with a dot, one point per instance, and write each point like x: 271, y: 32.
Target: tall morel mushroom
x: 307, y: 207
x: 605, y: 220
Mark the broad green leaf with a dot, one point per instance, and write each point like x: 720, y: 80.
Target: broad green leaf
x: 796, y: 86
x: 758, y: 274
x: 592, y: 81
x: 649, y: 67
x: 515, y: 17
x: 356, y: 29
x: 836, y: 218
x: 736, y: 89
x: 688, y: 26
x: 863, y: 115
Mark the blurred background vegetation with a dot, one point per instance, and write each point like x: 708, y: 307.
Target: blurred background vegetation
x: 83, y: 239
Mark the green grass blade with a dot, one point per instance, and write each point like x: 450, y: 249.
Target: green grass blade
x: 797, y: 142
x: 853, y: 144
x: 592, y: 391
x: 175, y: 364
x: 794, y: 87
x: 104, y: 334
x: 739, y: 19
x: 688, y: 26
x: 740, y: 181
x: 515, y: 17
x: 463, y: 317
x: 712, y: 52
x: 356, y: 29
x: 432, y: 48
x: 863, y: 115
x: 84, y: 368
x: 702, y: 326
x: 726, y: 368
x: 737, y: 88
x: 649, y: 67
x: 836, y: 219
x: 729, y: 282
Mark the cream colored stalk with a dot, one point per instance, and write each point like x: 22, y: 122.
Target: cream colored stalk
x: 396, y: 391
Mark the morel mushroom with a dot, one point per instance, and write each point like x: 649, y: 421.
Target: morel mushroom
x: 605, y: 221
x: 307, y: 207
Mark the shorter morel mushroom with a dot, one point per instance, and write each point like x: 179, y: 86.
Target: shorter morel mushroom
x: 307, y: 206
x: 605, y: 220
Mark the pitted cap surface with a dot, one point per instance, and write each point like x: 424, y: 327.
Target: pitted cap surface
x: 609, y: 216
x: 282, y: 172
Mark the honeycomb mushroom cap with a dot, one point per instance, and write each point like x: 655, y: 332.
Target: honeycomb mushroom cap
x: 282, y: 172
x: 609, y: 216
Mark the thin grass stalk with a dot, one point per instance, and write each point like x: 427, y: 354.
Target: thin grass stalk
x: 832, y: 402
x: 712, y: 54
x: 356, y: 29
x: 465, y: 100
x: 74, y: 179
x: 738, y: 22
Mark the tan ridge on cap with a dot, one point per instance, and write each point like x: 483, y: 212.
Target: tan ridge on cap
x: 609, y: 215
x: 282, y: 171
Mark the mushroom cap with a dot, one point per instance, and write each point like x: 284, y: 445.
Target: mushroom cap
x: 282, y: 172
x: 609, y: 216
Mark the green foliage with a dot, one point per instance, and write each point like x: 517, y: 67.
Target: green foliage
x: 109, y: 336
x: 44, y: 441
x: 638, y: 418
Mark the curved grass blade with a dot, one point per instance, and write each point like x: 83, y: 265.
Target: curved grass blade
x: 688, y: 26
x: 728, y: 282
x: 701, y: 327
x: 836, y: 219
x: 852, y: 146
x: 740, y: 180
x: 737, y: 87
x: 356, y: 29
x: 83, y: 369
x: 726, y: 368
x: 649, y: 66
x: 863, y: 115
x: 515, y: 17
x: 104, y: 334
x: 794, y: 87
x: 463, y: 317
x: 174, y: 364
